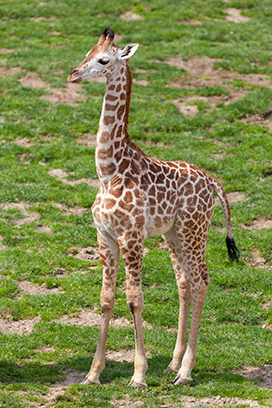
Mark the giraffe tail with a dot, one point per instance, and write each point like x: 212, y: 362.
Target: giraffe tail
x: 233, y: 251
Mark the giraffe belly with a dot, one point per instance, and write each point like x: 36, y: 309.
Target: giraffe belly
x: 159, y: 225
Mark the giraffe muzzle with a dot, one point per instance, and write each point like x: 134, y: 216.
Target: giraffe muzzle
x: 74, y: 76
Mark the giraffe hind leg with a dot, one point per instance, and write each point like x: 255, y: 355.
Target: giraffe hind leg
x: 184, y: 299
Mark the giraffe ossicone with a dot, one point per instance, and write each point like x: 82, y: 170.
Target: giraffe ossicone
x: 141, y: 197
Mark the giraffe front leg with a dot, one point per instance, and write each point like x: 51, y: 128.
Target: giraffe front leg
x: 110, y: 254
x: 133, y: 256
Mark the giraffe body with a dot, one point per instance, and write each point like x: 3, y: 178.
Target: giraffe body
x: 141, y: 197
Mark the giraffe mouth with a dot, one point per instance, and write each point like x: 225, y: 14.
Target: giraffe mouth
x: 74, y: 77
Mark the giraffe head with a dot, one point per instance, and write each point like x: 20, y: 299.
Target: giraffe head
x: 103, y: 59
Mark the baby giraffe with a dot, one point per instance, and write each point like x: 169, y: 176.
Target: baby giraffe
x: 141, y: 197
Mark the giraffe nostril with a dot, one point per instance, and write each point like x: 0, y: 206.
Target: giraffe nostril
x: 73, y: 71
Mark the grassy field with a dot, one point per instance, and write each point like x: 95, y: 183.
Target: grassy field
x: 202, y: 93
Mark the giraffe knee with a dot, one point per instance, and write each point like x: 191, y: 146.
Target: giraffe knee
x: 135, y: 301
x: 107, y: 301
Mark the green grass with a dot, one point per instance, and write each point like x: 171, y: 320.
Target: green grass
x: 231, y: 335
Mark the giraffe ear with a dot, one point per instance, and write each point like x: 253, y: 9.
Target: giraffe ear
x: 128, y: 51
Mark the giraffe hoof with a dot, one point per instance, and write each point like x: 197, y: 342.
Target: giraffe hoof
x: 134, y: 384
x: 86, y: 381
x: 181, y: 381
x: 169, y: 369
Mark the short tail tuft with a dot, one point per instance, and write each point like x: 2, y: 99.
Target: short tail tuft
x: 233, y: 251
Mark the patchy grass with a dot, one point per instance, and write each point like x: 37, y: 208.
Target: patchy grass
x: 196, y: 55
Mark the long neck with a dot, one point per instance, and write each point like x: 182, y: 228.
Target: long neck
x: 112, y: 134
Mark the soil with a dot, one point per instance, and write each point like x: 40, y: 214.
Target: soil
x: 234, y: 15
x: 265, y: 374
x: 6, y: 51
x: 87, y: 140
x: 21, y: 327
x: 10, y: 71
x: 257, y: 119
x: 61, y: 175
x: 234, y: 197
x: 36, y: 20
x: 140, y: 82
x: 21, y: 206
x: 257, y: 261
x: 202, y: 73
x: 23, y: 142
x: 129, y: 16
x: 32, y: 289
x: 44, y: 229
x: 67, y: 95
x: 71, y: 210
x: 123, y: 355
x: 85, y: 253
x: 59, y: 388
x: 258, y: 224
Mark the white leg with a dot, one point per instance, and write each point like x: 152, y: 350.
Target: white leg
x: 133, y: 255
x: 110, y: 254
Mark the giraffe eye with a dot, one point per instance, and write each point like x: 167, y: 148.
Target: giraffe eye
x: 103, y: 61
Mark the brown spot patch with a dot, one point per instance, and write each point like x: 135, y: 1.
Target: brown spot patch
x: 21, y: 327
x: 24, y: 142
x: 129, y: 16
x: 234, y: 15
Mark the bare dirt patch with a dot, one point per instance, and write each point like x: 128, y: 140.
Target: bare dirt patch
x: 258, y: 120
x: 129, y: 16
x: 59, y: 388
x: 126, y: 403
x: 265, y: 374
x: 36, y: 20
x: 21, y: 327
x: 61, y: 175
x: 44, y: 229
x: 1, y: 245
x: 234, y: 197
x: 67, y: 95
x: 123, y: 355
x: 10, y: 71
x: 87, y: 140
x: 202, y: 73
x: 90, y: 318
x: 257, y: 261
x: 143, y: 82
x: 6, y: 51
x: 85, y: 253
x: 21, y: 206
x: 71, y: 210
x: 32, y: 289
x: 24, y: 142
x: 258, y: 224
x: 190, y: 402
x: 234, y: 15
